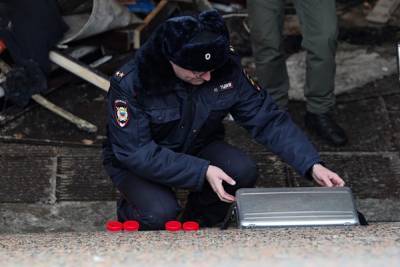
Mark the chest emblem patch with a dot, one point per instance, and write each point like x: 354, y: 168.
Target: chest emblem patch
x: 121, y: 112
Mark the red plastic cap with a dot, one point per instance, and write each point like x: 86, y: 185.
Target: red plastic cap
x: 131, y: 225
x: 173, y: 226
x: 2, y: 46
x: 114, y: 226
x: 190, y: 226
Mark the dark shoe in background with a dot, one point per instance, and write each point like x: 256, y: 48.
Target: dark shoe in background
x: 325, y: 127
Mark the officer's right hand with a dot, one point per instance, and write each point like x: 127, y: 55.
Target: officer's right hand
x: 325, y: 177
x: 215, y: 176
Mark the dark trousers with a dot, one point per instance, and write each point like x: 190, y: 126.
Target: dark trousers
x: 319, y: 30
x: 152, y: 204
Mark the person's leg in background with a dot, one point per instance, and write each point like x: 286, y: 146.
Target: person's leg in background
x: 149, y: 203
x: 266, y: 19
x: 319, y: 29
x: 205, y: 206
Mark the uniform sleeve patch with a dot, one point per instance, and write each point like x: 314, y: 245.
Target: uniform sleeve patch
x: 121, y: 112
x: 251, y: 80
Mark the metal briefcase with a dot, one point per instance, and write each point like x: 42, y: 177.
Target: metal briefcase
x: 299, y: 206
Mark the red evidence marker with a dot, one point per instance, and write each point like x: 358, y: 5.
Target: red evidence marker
x: 131, y: 226
x: 3, y: 46
x: 173, y: 226
x: 114, y: 226
x: 190, y: 226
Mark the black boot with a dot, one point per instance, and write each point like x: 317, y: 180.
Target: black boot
x: 190, y: 213
x: 211, y: 215
x: 324, y: 126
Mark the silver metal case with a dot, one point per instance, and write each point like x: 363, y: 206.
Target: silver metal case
x: 299, y: 206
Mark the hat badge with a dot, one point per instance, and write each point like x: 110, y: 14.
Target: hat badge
x: 207, y: 56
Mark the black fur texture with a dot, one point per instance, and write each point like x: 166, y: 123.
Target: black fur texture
x: 185, y: 41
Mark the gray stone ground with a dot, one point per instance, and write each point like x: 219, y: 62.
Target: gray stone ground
x: 357, y: 65
x: 375, y: 245
x: 84, y: 216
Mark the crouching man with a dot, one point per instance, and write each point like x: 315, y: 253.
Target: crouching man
x: 165, y: 112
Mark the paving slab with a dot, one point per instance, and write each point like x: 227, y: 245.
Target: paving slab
x: 272, y: 172
x: 392, y: 101
x: 68, y: 216
x: 21, y: 183
x: 379, y: 210
x: 366, y: 122
x: 240, y: 138
x: 395, y: 120
x: 370, y: 175
x: 82, y: 177
x: 35, y: 173
x: 387, y: 86
x: 374, y: 245
x: 393, y: 107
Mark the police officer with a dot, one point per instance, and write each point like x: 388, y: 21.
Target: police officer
x: 319, y: 29
x: 165, y: 112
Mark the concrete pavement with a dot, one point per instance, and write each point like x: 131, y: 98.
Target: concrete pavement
x: 374, y: 245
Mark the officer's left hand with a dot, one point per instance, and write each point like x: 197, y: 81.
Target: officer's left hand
x: 215, y: 176
x: 325, y: 177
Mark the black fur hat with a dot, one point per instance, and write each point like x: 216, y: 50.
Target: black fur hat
x: 197, y: 43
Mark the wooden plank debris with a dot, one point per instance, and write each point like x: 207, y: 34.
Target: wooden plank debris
x: 79, y: 69
x: 80, y: 123
x: 382, y: 11
x: 100, y: 61
x: 77, y: 53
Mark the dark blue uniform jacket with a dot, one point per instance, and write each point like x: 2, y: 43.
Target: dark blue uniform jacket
x: 157, y: 123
